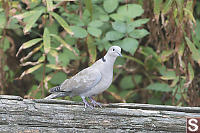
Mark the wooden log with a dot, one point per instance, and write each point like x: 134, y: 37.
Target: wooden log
x: 39, y: 115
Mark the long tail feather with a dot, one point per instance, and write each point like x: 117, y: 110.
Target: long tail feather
x: 55, y: 95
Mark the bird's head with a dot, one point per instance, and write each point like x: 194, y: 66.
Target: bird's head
x: 114, y: 51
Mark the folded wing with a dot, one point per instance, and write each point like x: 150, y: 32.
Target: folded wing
x: 82, y: 81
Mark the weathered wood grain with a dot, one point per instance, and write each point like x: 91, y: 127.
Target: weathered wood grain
x: 35, y: 116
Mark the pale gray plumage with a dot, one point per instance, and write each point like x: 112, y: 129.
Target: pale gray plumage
x: 90, y: 81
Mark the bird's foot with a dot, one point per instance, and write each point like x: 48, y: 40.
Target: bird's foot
x: 86, y: 103
x: 94, y: 103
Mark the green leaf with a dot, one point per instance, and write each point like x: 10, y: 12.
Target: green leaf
x: 66, y: 56
x: 46, y: 41
x: 3, y: 20
x: 34, y: 17
x: 13, y: 24
x: 119, y: 26
x: 191, y: 72
x: 167, y: 74
x: 197, y: 29
x: 174, y: 82
x: 189, y: 13
x: 114, y: 35
x: 34, y: 4
x: 189, y: 5
x: 138, y: 78
x: 51, y: 59
x: 130, y: 45
x: 119, y: 61
x: 98, y: 12
x: 138, y: 33
x: 79, y: 32
x: 94, y: 31
x: 49, y: 5
x: 28, y: 44
x: 58, y: 78
x: 6, y: 68
x: 104, y: 18
x: 96, y: 23
x: 91, y: 49
x: 53, y: 66
x: 113, y: 88
x: 53, y: 52
x: 86, y: 17
x: 130, y: 10
x: 62, y: 22
x: 41, y: 59
x: 127, y: 83
x: 110, y: 5
x: 70, y: 40
x: 181, y: 49
x: 37, y: 74
x: 89, y: 7
x: 148, y: 51
x: 131, y: 25
x: 133, y: 59
x: 53, y: 27
x: 6, y: 44
x: 193, y: 49
x: 30, y: 70
x: 63, y: 60
x: 64, y: 43
x: 124, y: 93
x: 38, y: 95
x: 165, y: 55
x: 25, y: 14
x: 74, y: 19
x: 118, y: 17
x: 162, y: 87
x: 167, y: 6
x: 157, y: 4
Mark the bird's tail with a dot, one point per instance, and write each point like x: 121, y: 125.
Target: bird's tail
x: 54, y: 95
x: 57, y: 94
x: 54, y: 89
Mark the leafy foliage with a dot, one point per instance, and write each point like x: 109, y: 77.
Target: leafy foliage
x: 53, y: 39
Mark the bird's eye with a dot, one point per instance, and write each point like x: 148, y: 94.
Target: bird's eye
x: 113, y: 49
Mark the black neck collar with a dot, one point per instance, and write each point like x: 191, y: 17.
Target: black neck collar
x: 103, y: 59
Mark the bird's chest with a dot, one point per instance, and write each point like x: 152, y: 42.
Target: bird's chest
x: 106, y: 80
x: 103, y: 84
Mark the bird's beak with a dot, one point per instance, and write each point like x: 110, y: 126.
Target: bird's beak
x: 120, y: 54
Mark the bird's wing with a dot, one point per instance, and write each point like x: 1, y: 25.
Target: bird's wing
x: 82, y: 81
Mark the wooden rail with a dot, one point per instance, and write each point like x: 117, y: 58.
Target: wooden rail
x: 39, y: 115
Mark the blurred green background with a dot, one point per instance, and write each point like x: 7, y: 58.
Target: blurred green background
x: 43, y: 42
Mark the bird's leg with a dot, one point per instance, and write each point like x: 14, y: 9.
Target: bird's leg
x: 94, y: 102
x: 86, y: 103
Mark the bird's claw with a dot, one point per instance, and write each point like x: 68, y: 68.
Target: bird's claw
x: 94, y: 103
x: 87, y: 105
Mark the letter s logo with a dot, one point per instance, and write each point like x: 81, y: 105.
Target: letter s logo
x: 192, y: 125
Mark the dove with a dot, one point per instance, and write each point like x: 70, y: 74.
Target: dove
x: 90, y: 81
